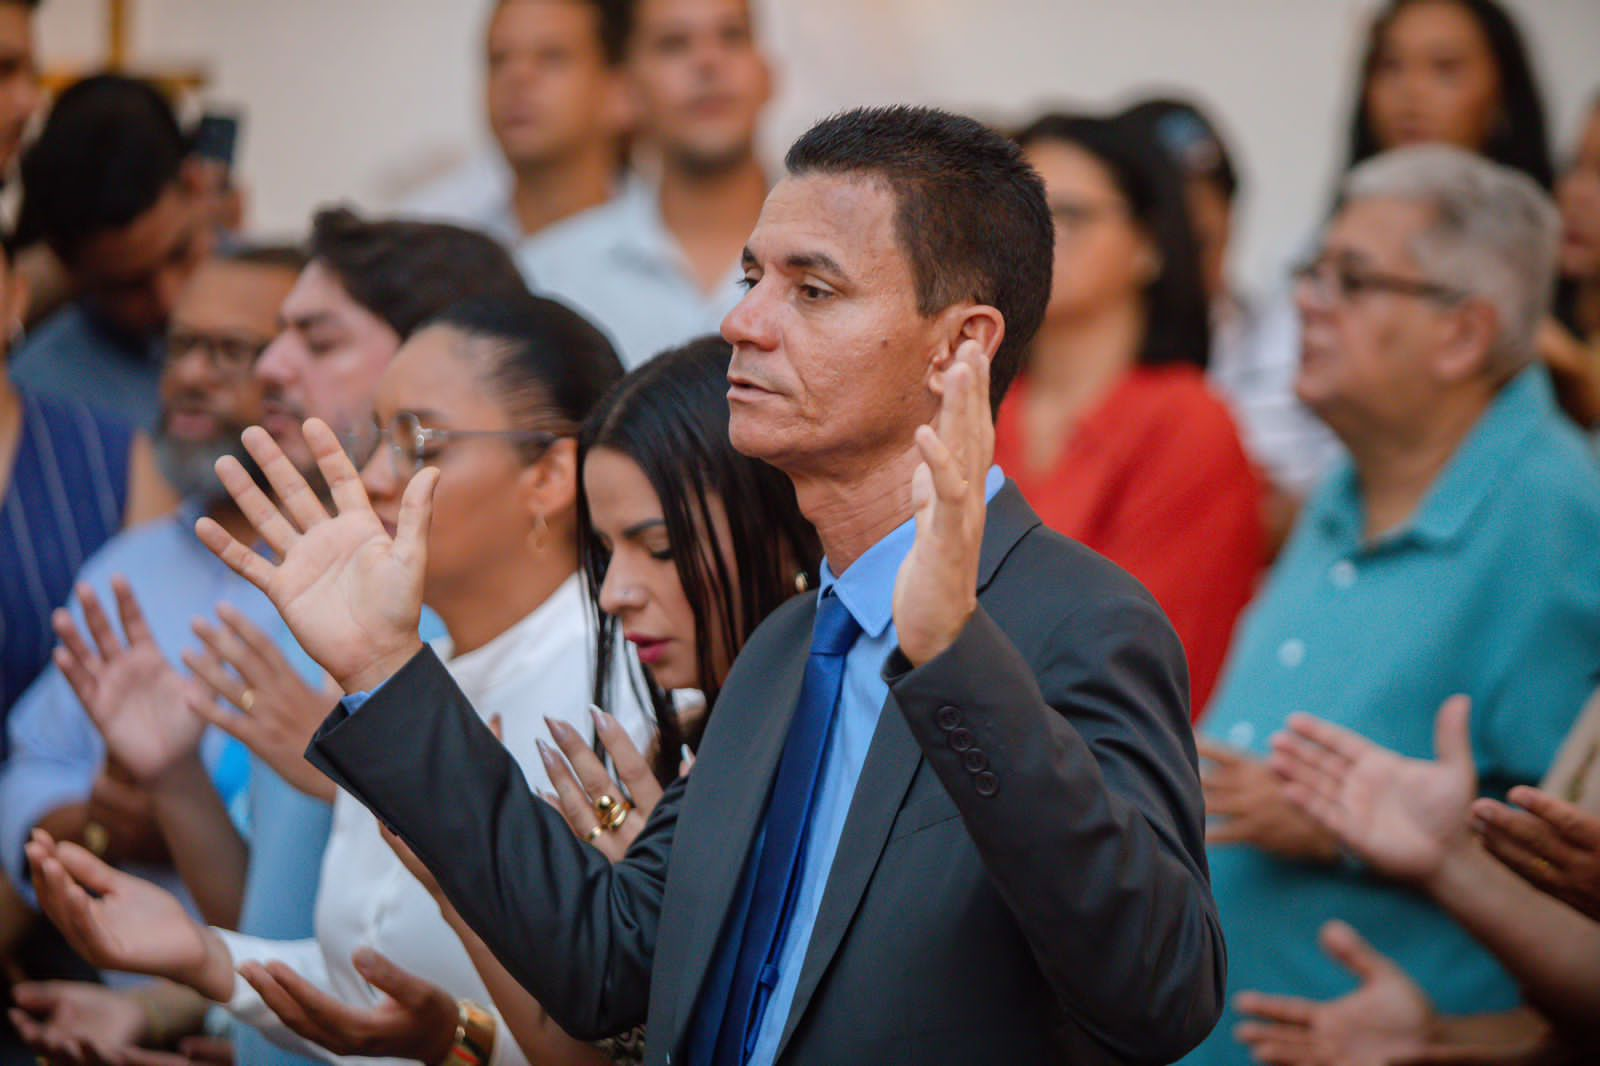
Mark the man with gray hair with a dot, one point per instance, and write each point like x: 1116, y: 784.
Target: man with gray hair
x: 1436, y: 561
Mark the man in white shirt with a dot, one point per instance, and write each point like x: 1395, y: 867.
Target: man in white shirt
x: 660, y: 263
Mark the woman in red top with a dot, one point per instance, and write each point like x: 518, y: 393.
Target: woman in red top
x: 1111, y: 431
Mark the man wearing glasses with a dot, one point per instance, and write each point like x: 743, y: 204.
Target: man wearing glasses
x: 1439, y: 559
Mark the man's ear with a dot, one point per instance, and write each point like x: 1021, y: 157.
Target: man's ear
x: 1471, y: 331
x: 976, y: 328
x: 550, y: 486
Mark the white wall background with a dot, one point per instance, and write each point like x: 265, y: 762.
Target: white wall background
x: 362, y: 99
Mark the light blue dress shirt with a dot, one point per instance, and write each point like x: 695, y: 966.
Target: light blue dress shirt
x: 867, y: 591
x: 1490, y: 590
x: 56, y: 752
x: 74, y: 354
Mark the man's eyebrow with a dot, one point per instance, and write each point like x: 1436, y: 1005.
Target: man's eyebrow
x: 820, y: 262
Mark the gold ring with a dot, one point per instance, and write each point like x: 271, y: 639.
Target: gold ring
x: 247, y: 700
x: 596, y: 831
x: 604, y: 805
x: 619, y: 814
x: 97, y: 838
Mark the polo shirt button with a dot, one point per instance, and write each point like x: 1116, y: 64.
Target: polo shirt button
x: 986, y: 784
x: 961, y: 740
x: 975, y: 761
x: 1292, y: 652
x: 1342, y: 574
x: 948, y: 718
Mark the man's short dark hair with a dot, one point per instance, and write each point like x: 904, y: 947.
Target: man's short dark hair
x: 110, y: 149
x: 406, y: 272
x: 615, y: 20
x: 970, y: 212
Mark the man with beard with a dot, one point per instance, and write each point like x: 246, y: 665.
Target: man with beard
x: 55, y: 776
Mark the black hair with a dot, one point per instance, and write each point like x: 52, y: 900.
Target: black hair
x: 970, y: 213
x: 1191, y: 138
x: 614, y: 20
x: 547, y: 364
x: 407, y: 272
x: 1519, y: 139
x: 670, y: 416
x: 1177, y: 315
x: 110, y: 149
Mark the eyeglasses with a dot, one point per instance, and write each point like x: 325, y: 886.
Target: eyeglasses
x: 413, y: 445
x: 1338, y: 282
x: 229, y: 355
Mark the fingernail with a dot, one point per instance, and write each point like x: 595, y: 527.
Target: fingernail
x: 599, y: 717
x: 557, y: 728
x: 546, y: 753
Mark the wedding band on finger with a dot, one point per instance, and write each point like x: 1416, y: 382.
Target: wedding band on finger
x: 247, y: 700
x: 619, y: 814
x: 590, y: 836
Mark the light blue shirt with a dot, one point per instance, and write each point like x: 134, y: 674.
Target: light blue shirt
x: 56, y: 752
x: 867, y: 591
x: 74, y: 354
x: 1490, y: 590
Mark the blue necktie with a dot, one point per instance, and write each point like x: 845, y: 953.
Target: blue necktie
x: 777, y: 880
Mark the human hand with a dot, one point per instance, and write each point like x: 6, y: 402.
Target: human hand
x: 349, y: 590
x: 122, y: 814
x: 67, y: 1022
x: 1241, y: 790
x: 277, y: 712
x: 936, y: 591
x: 1386, y: 1017
x: 127, y: 923
x: 1402, y: 816
x: 1552, y: 844
x: 581, y: 786
x: 418, y: 1021
x: 132, y: 694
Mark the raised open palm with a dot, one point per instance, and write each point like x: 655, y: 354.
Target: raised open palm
x: 1402, y: 816
x: 135, y: 698
x: 350, y: 593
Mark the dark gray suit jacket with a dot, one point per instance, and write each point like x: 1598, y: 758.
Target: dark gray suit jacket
x: 1022, y: 875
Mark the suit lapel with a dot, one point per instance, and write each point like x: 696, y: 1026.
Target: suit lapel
x: 886, y: 776
x: 722, y: 809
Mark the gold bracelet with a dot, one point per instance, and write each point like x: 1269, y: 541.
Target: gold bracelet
x: 475, y: 1033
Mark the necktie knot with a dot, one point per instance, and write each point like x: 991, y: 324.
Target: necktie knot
x: 835, y: 629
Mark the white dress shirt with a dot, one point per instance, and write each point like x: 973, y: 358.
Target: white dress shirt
x: 368, y: 899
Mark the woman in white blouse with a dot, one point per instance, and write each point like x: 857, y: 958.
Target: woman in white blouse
x: 492, y: 393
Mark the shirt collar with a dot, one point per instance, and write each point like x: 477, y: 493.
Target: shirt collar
x: 867, y: 588
x: 1526, y: 402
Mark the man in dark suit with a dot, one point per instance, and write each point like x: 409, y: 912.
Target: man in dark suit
x: 946, y: 810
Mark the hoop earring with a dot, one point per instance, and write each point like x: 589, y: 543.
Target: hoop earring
x: 541, y: 531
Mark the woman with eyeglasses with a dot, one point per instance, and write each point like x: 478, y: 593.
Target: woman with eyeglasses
x: 492, y: 394
x: 1111, y: 431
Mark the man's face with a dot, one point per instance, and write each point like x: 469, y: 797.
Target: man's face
x: 19, y: 78
x: 134, y: 275
x: 324, y: 363
x: 1368, y: 355
x: 549, y: 89
x: 227, y: 314
x: 699, y: 83
x: 831, y: 357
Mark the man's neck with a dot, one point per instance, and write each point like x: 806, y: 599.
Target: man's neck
x: 711, y: 214
x: 550, y: 192
x: 1075, y: 363
x: 1398, y: 465
x: 853, y: 513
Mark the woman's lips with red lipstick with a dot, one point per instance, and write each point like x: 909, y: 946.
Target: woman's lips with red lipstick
x: 650, y: 649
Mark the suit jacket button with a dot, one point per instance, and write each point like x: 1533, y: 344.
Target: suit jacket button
x: 986, y: 783
x: 961, y: 740
x: 975, y: 761
x: 948, y: 718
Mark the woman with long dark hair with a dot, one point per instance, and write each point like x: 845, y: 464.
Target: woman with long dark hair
x: 1111, y: 431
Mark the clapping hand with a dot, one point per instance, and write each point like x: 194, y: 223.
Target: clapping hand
x: 1247, y: 804
x: 1550, y: 843
x: 1402, y: 816
x: 581, y: 786
x: 1386, y: 1019
x: 277, y: 712
x: 350, y: 593
x: 936, y: 591
x: 71, y: 1021
x: 418, y: 1020
x: 132, y: 694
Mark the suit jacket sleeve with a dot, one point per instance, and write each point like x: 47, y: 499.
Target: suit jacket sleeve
x: 577, y: 932
x: 1085, y: 807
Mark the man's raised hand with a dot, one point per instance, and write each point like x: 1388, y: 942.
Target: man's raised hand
x: 350, y: 593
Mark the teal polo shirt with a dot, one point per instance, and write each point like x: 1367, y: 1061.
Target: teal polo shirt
x: 1493, y: 590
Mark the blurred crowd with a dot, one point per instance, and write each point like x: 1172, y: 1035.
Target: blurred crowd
x: 1363, y: 499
